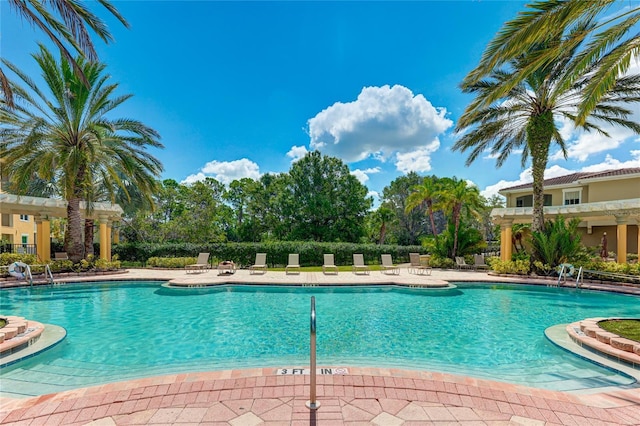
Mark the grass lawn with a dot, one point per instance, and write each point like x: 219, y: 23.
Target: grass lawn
x: 624, y: 328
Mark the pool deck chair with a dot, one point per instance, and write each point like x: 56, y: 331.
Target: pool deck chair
x: 201, y: 264
x: 293, y: 264
x: 388, y: 266
x: 260, y: 264
x: 416, y: 266
x: 329, y: 265
x: 478, y: 262
x: 359, y: 265
x: 60, y: 255
x: 461, y: 264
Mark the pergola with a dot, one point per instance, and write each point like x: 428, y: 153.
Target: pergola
x: 43, y: 209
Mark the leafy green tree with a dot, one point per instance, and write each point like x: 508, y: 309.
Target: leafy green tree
x: 409, y: 225
x: 611, y: 47
x: 66, y: 23
x: 326, y: 203
x: 68, y: 136
x: 379, y: 221
x: 524, y: 116
x: 461, y: 200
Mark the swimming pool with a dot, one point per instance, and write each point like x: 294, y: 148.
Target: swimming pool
x: 130, y: 330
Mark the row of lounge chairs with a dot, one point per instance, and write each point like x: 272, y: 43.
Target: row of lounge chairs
x: 478, y: 262
x: 328, y: 266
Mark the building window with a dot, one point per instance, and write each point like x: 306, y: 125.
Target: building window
x: 6, y: 219
x: 24, y: 217
x: 527, y: 200
x: 572, y: 197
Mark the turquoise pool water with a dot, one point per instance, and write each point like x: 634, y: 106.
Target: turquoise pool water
x: 127, y: 330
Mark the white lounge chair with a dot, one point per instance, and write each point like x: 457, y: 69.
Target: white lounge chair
x: 462, y: 264
x: 329, y: 264
x: 260, y: 264
x: 479, y: 263
x: 387, y: 265
x: 201, y: 264
x: 416, y: 266
x: 293, y: 263
x: 359, y: 265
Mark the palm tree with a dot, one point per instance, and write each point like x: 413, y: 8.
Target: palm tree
x: 68, y: 137
x: 524, y: 117
x: 458, y: 197
x: 425, y: 195
x: 70, y: 27
x: 383, y: 216
x: 610, y: 45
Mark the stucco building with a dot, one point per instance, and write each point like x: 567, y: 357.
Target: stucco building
x: 606, y: 201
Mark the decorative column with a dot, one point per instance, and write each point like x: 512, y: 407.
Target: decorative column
x: 116, y: 233
x: 38, y: 239
x: 621, y: 250
x: 43, y: 236
x: 105, y: 248
x: 505, y: 239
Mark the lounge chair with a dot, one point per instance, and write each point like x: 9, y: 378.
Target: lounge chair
x: 416, y: 266
x: 260, y: 264
x: 387, y: 265
x: 461, y: 264
x: 478, y: 262
x: 201, y: 263
x: 329, y: 264
x: 359, y: 265
x: 60, y: 255
x: 293, y: 263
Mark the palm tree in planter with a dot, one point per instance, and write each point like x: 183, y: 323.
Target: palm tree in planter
x: 67, y: 136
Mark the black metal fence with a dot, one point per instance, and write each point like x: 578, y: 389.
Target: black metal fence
x: 18, y: 248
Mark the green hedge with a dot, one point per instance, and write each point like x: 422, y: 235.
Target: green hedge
x: 244, y: 254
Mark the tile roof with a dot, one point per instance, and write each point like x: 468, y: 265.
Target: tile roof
x: 574, y: 177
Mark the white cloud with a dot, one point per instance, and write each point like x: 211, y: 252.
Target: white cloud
x: 226, y: 171
x: 418, y: 160
x: 297, y: 152
x: 363, y: 175
x: 382, y: 121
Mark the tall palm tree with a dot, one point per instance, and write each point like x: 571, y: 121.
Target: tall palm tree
x: 63, y: 21
x: 524, y: 117
x: 611, y: 44
x: 68, y: 136
x: 459, y: 198
x: 425, y: 195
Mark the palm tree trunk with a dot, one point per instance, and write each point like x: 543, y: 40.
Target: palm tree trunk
x: 433, y: 223
x: 456, y: 220
x: 88, y: 236
x: 539, y: 134
x: 73, y: 243
x: 383, y: 232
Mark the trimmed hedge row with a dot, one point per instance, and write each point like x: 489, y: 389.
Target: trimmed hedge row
x: 244, y: 254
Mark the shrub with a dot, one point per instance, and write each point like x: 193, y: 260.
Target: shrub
x: 244, y: 254
x: 518, y: 267
x: 441, y: 262
x: 171, y: 262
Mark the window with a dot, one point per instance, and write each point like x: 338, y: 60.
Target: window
x: 572, y: 197
x: 6, y: 219
x: 527, y: 200
x: 24, y: 217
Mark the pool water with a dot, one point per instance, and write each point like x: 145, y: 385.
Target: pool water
x: 130, y: 330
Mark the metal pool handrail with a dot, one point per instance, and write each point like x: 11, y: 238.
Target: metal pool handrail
x: 312, y: 403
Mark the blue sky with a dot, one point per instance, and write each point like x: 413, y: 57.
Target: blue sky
x: 238, y: 89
